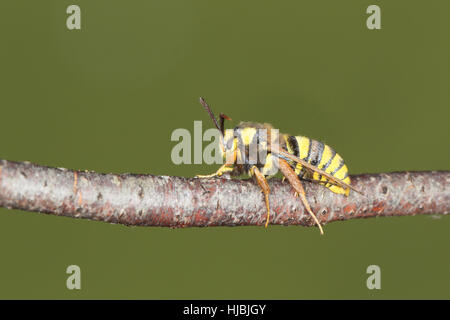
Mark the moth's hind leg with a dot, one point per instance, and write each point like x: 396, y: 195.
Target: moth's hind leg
x: 295, y: 182
x: 262, y: 182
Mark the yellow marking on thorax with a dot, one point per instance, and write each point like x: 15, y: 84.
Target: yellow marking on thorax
x: 267, y: 170
x: 247, y: 135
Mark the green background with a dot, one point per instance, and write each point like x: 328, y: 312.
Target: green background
x: 107, y: 98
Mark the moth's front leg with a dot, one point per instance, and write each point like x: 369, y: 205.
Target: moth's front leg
x: 226, y: 168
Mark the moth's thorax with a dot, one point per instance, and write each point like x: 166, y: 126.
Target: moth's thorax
x: 249, y: 143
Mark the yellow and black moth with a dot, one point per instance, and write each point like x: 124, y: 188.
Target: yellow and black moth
x: 297, y: 157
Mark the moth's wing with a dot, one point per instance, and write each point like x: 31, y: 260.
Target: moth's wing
x: 284, y: 154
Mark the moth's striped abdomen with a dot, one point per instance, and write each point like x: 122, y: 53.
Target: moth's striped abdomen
x: 321, y: 156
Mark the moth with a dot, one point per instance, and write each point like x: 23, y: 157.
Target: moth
x: 297, y: 157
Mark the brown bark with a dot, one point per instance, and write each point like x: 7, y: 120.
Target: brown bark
x: 149, y: 200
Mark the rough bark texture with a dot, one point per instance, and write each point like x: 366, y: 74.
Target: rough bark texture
x: 149, y: 200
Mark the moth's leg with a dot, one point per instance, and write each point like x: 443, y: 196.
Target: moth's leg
x: 228, y: 167
x: 262, y: 182
x: 223, y: 169
x: 295, y: 182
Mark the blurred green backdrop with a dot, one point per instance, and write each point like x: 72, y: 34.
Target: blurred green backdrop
x: 107, y: 98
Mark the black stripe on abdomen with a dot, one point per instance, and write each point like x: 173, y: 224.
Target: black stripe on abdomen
x: 333, y: 154
x: 315, y: 152
x: 319, y: 152
x: 294, y: 145
x: 341, y: 164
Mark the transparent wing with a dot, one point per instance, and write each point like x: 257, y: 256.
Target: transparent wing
x: 339, y: 182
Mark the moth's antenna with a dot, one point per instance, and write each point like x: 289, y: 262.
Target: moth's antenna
x: 211, y: 114
x: 223, y: 117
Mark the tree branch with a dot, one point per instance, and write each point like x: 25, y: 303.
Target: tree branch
x: 149, y: 200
